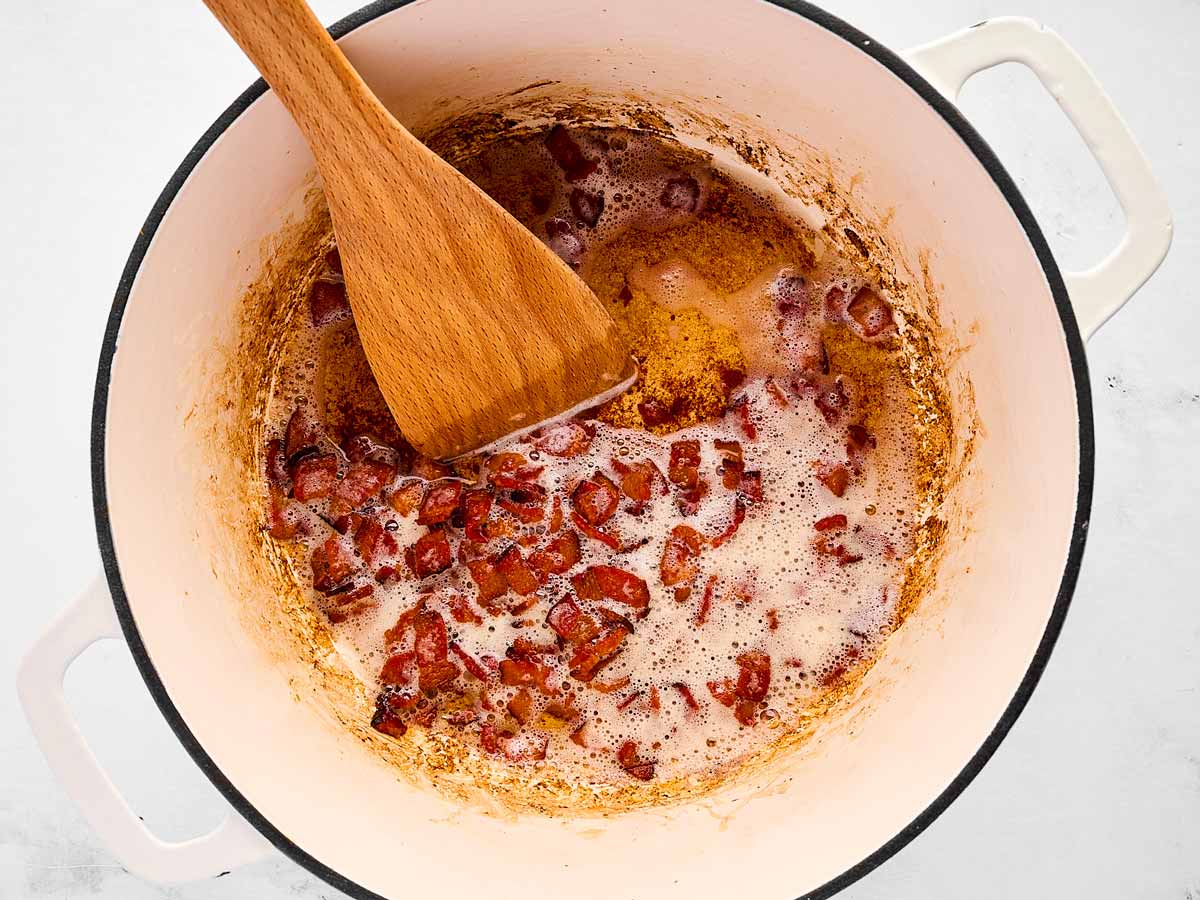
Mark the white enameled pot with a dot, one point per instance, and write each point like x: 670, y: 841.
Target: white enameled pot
x: 949, y: 684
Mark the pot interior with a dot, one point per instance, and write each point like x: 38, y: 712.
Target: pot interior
x: 766, y: 90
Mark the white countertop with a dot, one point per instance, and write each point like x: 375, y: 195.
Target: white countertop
x: 1096, y: 791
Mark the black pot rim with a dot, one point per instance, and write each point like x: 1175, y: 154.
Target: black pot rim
x: 1004, y: 183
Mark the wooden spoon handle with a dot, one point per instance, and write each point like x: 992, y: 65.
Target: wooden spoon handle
x: 307, y: 71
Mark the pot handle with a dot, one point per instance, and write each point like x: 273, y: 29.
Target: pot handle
x: 1100, y: 291
x: 89, y: 619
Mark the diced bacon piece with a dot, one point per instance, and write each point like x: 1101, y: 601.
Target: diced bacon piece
x: 569, y: 621
x: 628, y: 701
x: 406, y: 498
x: 638, y: 479
x: 327, y: 302
x: 363, y: 481
x: 679, y: 554
x: 836, y: 522
x: 609, y: 582
x: 276, y: 463
x: 871, y: 314
x: 511, y: 564
x: 723, y: 691
x: 567, y: 153
x: 590, y: 657
x: 843, y: 556
x: 655, y: 702
x: 384, y: 574
x: 302, y: 435
x: 526, y: 673
x: 437, y: 675
x: 835, y: 477
x: 527, y: 746
x: 461, y: 611
x: 772, y: 616
x: 429, y: 555
x: 607, y: 538
x: 706, y: 602
x: 429, y: 469
x: 832, y: 400
x: 859, y: 437
x: 525, y: 500
x: 688, y: 501
x: 363, y: 446
x: 314, y: 477
x: 684, y: 468
x: 587, y: 206
x: 520, y: 707
x: 556, y: 515
x: 610, y: 687
x: 528, y: 648
x: 280, y: 528
x: 564, y: 712
x: 557, y: 557
x: 484, y: 669
x: 776, y: 392
x: 746, y: 712
x: 596, y: 499
x: 368, y: 539
x: 476, y: 506
x: 431, y: 644
x: 579, y: 736
x: 506, y: 462
x: 732, y: 463
x: 440, y: 502
x: 754, y: 676
x: 399, y: 669
x: 739, y: 516
x: 332, y: 566
x: 681, y: 193
x: 386, y: 719
x: 404, y: 621
x: 488, y: 579
x: 633, y: 764
x: 688, y: 697
x: 750, y: 487
x: 567, y: 439
x: 741, y: 409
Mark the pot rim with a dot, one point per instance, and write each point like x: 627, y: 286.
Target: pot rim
x: 986, y: 158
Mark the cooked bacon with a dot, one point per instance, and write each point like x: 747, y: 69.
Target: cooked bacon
x: 488, y: 579
x: 688, y: 501
x: 638, y: 479
x: 525, y: 500
x: 596, y: 499
x: 476, y: 506
x: 526, y: 673
x: 327, y: 302
x: 772, y: 619
x: 368, y: 539
x: 607, y: 538
x: 527, y: 746
x: 679, y: 554
x: 859, y: 437
x: 590, y: 657
x: 429, y: 555
x: 723, y: 691
x: 404, y: 621
x: 732, y: 463
x: 556, y: 515
x: 564, y: 712
x: 569, y: 620
x: 741, y: 407
x: 511, y: 564
x: 406, y: 498
x: 440, y: 501
x: 431, y: 646
x: 610, y: 687
x: 746, y: 712
x: 754, y: 677
x: 398, y: 669
x: 843, y: 556
x: 277, y: 502
x: 739, y: 515
x: 461, y: 611
x: 567, y: 439
x: 528, y: 648
x: 484, y: 669
x: 520, y: 707
x: 835, y: 477
x: 832, y: 400
x: 579, y: 736
x: 331, y: 565
x: 684, y: 467
x: 568, y: 155
x: 557, y: 557
x: 386, y: 720
x: 609, y: 582
x: 706, y: 602
x: 302, y: 434
x: 871, y: 313
x: 836, y: 522
x: 686, y: 693
x: 314, y: 477
x: 363, y: 481
x: 628, y: 701
x: 750, y: 487
x: 633, y: 764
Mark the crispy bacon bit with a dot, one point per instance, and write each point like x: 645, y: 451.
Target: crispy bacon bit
x: 520, y: 707
x: 527, y: 648
x: 368, y: 539
x: 429, y: 555
x: 832, y: 400
x: 745, y: 712
x: 579, y: 736
x: 596, y: 499
x: 628, y: 701
x: 607, y: 538
x: 859, y: 437
x: 476, y: 506
x: 431, y: 647
x: 526, y: 673
x: 327, y: 302
x: 683, y: 594
x: 843, y: 556
x: 610, y: 687
x: 835, y: 477
x: 363, y: 481
x: 440, y: 502
x: 557, y: 557
x: 387, y: 720
x: 568, y: 439
x: 836, y: 522
x: 723, y: 691
x: 772, y: 619
x: 706, y: 602
x: 331, y: 566
x: 384, y: 574
x: 594, y: 655
x: 556, y: 515
x: 429, y: 469
x: 688, y: 501
x: 568, y: 155
x: 511, y: 564
x: 871, y: 313
x: 398, y: 669
x: 754, y: 677
x: 528, y: 746
x: 684, y: 468
x: 461, y: 611
x: 276, y: 463
x: 587, y: 206
x: 488, y: 579
x: 633, y: 764
x: 751, y: 487
x: 679, y: 553
x: 741, y: 406
x: 609, y: 582
x: 732, y: 463
x: 314, y: 477
x: 686, y: 693
x: 681, y: 193
x: 569, y: 621
x: 739, y: 516
x: 525, y: 500
x: 406, y: 498
x: 484, y: 669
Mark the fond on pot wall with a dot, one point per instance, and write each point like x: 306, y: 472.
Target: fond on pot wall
x: 842, y: 125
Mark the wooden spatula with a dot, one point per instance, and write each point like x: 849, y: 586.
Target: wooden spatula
x: 474, y: 329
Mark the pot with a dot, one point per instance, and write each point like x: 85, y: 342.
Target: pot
x: 895, y: 159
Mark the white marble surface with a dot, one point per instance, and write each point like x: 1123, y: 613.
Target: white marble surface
x: 1096, y: 792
